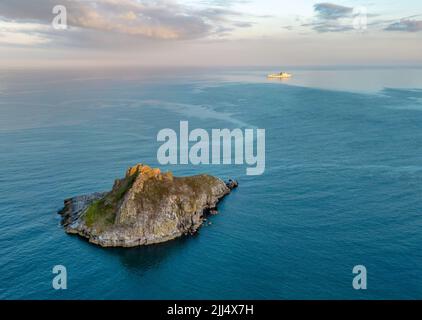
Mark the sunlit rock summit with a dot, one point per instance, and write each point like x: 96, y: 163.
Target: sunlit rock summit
x: 145, y: 207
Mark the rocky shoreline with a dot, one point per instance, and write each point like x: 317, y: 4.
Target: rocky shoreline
x: 145, y: 207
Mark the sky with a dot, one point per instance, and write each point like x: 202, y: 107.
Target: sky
x: 209, y: 33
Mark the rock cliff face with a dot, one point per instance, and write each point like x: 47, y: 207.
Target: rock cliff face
x: 144, y: 207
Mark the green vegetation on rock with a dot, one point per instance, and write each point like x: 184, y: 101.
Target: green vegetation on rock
x: 145, y: 207
x: 102, y: 213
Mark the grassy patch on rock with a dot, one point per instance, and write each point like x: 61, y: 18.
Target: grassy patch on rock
x: 102, y: 213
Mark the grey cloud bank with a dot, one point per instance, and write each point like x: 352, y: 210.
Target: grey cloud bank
x: 150, y: 19
x: 405, y: 26
x: 332, y: 11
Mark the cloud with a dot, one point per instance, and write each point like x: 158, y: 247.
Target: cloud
x: 331, y: 11
x: 153, y: 20
x: 405, y: 25
x: 21, y: 38
x: 330, y: 17
x: 161, y: 19
x: 22, y: 33
x: 243, y: 24
x: 324, y: 27
x: 224, y: 3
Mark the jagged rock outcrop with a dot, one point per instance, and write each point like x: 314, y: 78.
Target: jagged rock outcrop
x: 145, y: 207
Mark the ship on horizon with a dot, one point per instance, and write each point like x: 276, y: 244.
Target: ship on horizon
x: 281, y: 75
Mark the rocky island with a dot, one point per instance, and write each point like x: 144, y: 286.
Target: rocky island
x: 145, y: 207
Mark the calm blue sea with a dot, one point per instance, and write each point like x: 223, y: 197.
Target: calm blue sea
x: 342, y: 186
